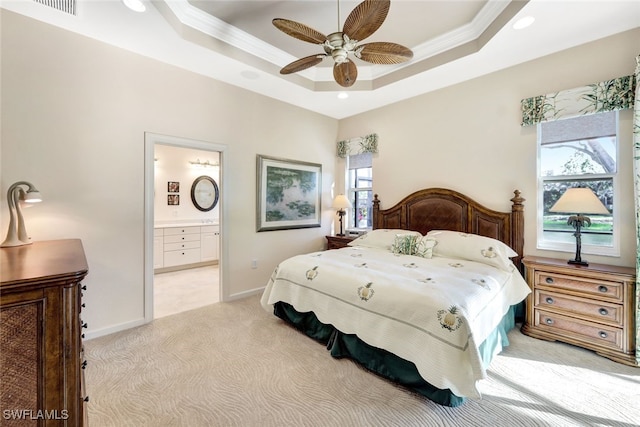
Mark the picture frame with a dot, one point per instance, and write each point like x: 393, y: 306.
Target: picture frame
x: 173, y: 187
x: 289, y: 194
x: 173, y: 199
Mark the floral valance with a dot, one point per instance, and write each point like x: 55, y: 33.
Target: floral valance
x: 362, y: 144
x: 610, y: 95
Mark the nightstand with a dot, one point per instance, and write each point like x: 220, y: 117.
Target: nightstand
x: 337, y: 242
x: 591, y: 307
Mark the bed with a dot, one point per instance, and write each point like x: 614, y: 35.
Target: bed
x: 425, y: 299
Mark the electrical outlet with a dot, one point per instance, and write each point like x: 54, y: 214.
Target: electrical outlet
x: 254, y: 263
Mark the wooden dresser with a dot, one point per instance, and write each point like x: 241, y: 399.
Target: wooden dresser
x: 591, y: 307
x: 41, y: 361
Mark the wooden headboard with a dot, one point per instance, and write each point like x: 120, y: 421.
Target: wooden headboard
x: 443, y: 209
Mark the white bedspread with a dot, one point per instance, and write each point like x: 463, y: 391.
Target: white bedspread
x: 433, y: 312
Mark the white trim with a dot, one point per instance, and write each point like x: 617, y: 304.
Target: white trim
x: 113, y: 329
x: 245, y: 294
x: 150, y: 140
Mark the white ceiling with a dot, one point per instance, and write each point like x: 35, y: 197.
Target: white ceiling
x: 235, y: 41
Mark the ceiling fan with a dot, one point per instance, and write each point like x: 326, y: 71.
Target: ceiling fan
x: 362, y: 22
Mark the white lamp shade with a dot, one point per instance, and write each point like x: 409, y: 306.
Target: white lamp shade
x: 341, y: 202
x: 32, y: 197
x: 579, y: 201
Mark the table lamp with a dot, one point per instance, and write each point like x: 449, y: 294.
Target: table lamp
x: 579, y: 201
x: 17, y: 232
x: 341, y: 203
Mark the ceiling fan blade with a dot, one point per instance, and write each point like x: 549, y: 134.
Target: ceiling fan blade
x: 299, y: 31
x: 345, y: 73
x: 366, y: 18
x: 383, y: 53
x: 303, y: 64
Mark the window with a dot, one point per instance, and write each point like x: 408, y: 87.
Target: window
x: 360, y: 190
x: 578, y: 152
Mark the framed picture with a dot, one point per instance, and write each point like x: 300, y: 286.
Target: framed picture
x: 173, y: 187
x: 173, y: 199
x: 289, y: 194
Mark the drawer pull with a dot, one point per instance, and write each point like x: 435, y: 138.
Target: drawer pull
x: 603, y: 288
x: 603, y: 334
x: 548, y: 321
x: 549, y: 300
x: 549, y: 280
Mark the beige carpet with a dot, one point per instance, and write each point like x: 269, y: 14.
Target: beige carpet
x: 233, y: 364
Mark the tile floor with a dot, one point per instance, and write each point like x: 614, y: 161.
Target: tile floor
x: 183, y: 290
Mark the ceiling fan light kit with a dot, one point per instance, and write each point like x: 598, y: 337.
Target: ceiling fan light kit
x: 361, y: 23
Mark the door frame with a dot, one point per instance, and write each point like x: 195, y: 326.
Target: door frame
x: 150, y: 141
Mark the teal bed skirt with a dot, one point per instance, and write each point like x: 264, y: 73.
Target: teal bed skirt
x: 387, y: 364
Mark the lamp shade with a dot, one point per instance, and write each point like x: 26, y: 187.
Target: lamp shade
x: 341, y: 202
x: 579, y: 200
x: 32, y: 196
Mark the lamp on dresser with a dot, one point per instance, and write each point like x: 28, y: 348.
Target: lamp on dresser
x: 341, y: 203
x: 17, y: 232
x: 579, y: 201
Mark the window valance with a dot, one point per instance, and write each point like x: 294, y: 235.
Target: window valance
x: 359, y: 145
x: 610, y: 95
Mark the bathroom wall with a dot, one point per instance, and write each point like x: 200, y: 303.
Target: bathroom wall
x: 172, y: 164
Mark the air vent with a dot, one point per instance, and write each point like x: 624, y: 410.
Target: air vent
x: 66, y: 6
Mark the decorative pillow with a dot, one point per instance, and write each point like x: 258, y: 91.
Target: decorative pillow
x: 381, y: 238
x: 455, y: 244
x: 410, y: 244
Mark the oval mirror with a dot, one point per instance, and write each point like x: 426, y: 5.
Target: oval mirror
x: 204, y: 193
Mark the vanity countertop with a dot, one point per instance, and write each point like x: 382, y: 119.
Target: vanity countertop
x: 186, y: 223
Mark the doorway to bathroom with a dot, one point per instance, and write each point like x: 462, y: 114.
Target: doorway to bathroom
x: 183, y: 211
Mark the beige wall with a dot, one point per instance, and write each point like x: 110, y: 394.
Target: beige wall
x: 74, y: 116
x: 74, y: 113
x: 468, y: 137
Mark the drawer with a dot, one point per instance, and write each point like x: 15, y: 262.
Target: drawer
x: 598, y: 311
x: 182, y: 238
x: 587, y: 332
x: 172, y: 231
x: 613, y: 291
x: 187, y: 256
x: 181, y: 245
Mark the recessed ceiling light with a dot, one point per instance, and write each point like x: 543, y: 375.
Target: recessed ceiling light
x: 523, y: 22
x: 135, y: 5
x: 343, y: 95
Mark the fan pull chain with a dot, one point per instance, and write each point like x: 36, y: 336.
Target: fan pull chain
x: 339, y: 15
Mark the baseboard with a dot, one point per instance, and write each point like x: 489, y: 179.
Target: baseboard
x: 244, y: 294
x: 89, y: 335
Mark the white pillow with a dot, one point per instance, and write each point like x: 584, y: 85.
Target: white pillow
x: 410, y: 244
x: 472, y: 247
x: 381, y: 238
